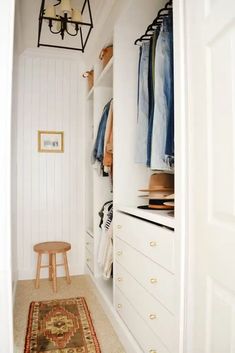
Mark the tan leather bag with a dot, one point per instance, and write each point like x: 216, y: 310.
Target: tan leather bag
x: 105, y: 55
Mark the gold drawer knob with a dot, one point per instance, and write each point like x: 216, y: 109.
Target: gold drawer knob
x: 119, y: 252
x: 152, y: 316
x: 153, y: 280
x: 119, y: 279
x: 119, y: 226
x: 153, y: 243
x: 119, y: 306
x: 152, y: 351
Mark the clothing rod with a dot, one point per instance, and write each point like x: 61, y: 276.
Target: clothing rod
x: 156, y: 25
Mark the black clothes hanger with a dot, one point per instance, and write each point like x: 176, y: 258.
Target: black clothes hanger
x: 101, y: 212
x: 110, y: 207
x: 166, y: 11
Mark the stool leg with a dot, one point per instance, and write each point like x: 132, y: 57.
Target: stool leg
x: 38, y: 270
x: 66, y: 266
x: 54, y: 272
x: 50, y: 267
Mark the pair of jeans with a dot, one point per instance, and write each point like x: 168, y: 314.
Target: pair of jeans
x: 98, y: 150
x: 163, y: 97
x: 143, y: 105
x: 169, y: 92
x: 151, y: 82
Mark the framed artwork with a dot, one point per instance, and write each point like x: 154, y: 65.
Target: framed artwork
x: 51, y: 141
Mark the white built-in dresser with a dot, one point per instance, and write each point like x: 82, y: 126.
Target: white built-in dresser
x: 144, y: 293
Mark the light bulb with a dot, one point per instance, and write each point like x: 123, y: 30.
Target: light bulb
x: 50, y: 11
x: 65, y: 6
x: 76, y: 16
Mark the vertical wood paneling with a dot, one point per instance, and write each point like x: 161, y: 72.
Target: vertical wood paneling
x: 35, y: 161
x: 27, y: 166
x: 50, y: 190
x: 20, y: 139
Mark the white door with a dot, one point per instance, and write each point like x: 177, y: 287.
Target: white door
x: 211, y: 89
x: 6, y: 53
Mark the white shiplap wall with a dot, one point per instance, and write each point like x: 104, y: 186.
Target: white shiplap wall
x: 50, y: 185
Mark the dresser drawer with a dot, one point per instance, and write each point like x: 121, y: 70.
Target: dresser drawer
x: 159, y: 319
x: 155, y: 279
x: 89, y: 242
x: 90, y: 260
x: 154, y: 241
x: 145, y: 337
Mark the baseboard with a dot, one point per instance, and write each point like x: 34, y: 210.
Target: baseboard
x: 124, y: 335
x: 28, y: 274
x: 14, y: 287
x: 15, y: 277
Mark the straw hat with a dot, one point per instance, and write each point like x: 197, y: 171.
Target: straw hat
x: 161, y: 185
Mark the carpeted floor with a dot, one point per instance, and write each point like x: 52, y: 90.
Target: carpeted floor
x: 81, y: 286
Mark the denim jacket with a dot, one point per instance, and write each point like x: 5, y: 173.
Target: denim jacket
x: 98, y: 150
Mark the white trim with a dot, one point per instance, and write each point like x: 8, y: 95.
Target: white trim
x: 181, y: 182
x: 14, y: 288
x: 29, y: 274
x: 6, y: 65
x: 186, y: 246
x: 160, y: 217
x: 189, y: 253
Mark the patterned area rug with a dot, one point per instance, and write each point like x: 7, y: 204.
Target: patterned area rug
x: 60, y: 326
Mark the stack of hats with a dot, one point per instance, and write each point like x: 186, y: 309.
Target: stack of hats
x: 160, y: 192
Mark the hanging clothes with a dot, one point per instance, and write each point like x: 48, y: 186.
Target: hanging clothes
x: 108, y: 254
x: 105, y: 251
x: 103, y: 147
x: 151, y: 87
x: 155, y: 104
x: 108, y: 140
x: 163, y: 92
x: 143, y: 105
x: 102, y: 212
x: 169, y: 150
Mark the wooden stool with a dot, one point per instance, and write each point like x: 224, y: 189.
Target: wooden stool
x: 52, y: 248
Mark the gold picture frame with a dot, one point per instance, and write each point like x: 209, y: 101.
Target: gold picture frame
x: 50, y: 141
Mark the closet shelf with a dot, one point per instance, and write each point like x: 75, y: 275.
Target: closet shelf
x: 104, y: 80
x: 160, y: 217
x: 106, y: 77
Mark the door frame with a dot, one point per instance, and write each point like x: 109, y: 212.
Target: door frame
x: 182, y: 133
x: 6, y: 66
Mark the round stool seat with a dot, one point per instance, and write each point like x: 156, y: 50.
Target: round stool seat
x: 52, y: 247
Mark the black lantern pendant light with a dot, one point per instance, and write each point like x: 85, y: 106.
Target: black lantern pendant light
x: 64, y: 20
